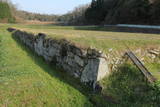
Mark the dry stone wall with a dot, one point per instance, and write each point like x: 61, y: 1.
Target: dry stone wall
x: 149, y: 54
x: 89, y: 65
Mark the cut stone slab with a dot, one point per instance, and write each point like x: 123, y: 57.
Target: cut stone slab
x: 95, y: 70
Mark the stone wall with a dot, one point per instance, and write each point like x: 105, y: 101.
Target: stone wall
x: 89, y: 65
x: 147, y: 55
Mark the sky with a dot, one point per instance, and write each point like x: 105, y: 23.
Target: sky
x: 49, y: 6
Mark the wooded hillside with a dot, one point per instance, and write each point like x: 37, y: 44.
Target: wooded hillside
x: 98, y: 12
x: 117, y: 12
x: 124, y: 12
x: 35, y: 16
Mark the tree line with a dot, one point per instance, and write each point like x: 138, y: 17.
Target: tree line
x: 116, y: 12
x: 100, y: 12
x: 10, y: 13
x: 5, y: 12
x: 35, y: 16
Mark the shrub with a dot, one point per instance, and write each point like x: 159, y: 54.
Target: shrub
x: 5, y: 13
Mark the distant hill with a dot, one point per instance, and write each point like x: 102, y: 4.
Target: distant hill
x: 35, y: 16
x: 5, y: 13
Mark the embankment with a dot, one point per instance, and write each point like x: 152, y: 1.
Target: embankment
x: 90, y: 65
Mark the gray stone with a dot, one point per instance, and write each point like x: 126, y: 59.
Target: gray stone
x: 95, y: 70
x: 103, y: 69
x: 78, y: 60
x: 70, y: 54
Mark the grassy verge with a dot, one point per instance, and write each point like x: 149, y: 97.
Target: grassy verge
x: 26, y: 80
x: 128, y: 88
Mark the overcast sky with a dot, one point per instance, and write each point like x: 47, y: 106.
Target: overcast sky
x: 49, y: 6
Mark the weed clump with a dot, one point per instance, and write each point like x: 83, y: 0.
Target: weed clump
x: 127, y: 86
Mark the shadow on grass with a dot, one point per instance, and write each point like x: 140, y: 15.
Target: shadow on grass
x: 118, y: 29
x: 110, y: 28
x: 53, y: 71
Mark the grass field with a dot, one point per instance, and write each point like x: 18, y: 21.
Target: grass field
x: 119, y: 42
x: 25, y: 79
x: 100, y: 39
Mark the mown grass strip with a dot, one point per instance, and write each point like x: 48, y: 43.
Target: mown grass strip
x: 26, y: 80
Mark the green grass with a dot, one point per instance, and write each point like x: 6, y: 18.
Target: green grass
x: 155, y: 68
x: 26, y: 80
x: 130, y: 89
x: 103, y: 40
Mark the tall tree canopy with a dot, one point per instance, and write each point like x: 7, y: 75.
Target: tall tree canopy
x: 117, y: 11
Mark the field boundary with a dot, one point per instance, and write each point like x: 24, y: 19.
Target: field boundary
x: 90, y: 65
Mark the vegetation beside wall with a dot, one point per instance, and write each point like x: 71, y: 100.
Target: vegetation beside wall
x: 128, y: 87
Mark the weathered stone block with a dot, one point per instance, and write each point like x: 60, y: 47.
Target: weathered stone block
x: 95, y: 70
x: 78, y: 60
